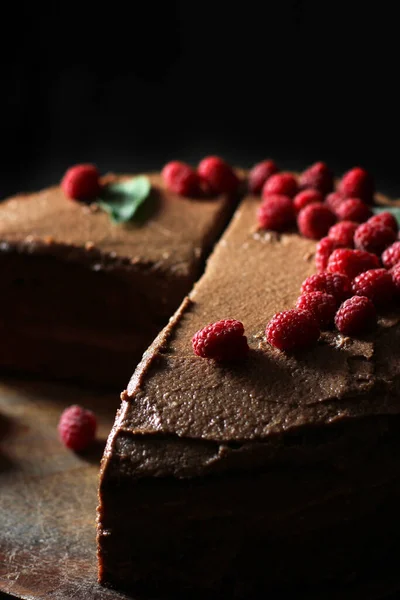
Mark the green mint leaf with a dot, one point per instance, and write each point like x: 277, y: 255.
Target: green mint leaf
x: 394, y: 210
x: 122, y: 199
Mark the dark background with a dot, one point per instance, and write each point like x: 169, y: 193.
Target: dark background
x: 131, y: 85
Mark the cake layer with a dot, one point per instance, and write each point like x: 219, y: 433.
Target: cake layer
x: 82, y: 297
x: 249, y: 465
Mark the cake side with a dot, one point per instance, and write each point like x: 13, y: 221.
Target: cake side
x: 229, y: 466
x: 84, y: 297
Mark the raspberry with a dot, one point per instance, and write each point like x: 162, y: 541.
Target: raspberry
x: 223, y: 340
x: 77, y: 427
x: 306, y: 197
x: 351, y: 262
x: 315, y: 220
x: 81, y: 182
x: 321, y: 305
x: 181, y: 179
x: 292, y: 329
x: 284, y: 184
x: 318, y: 177
x: 259, y: 175
x: 353, y: 209
x: 357, y: 183
x: 220, y: 176
x: 334, y: 284
x: 357, y: 314
x: 333, y: 200
x: 395, y: 273
x: 385, y: 218
x: 391, y: 256
x: 375, y: 284
x: 343, y: 233
x: 324, y: 249
x: 276, y: 213
x: 373, y: 237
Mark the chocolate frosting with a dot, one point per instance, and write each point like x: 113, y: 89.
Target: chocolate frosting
x: 172, y: 237
x: 208, y: 413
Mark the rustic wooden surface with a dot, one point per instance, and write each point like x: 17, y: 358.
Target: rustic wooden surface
x: 48, y: 498
x: 48, y: 494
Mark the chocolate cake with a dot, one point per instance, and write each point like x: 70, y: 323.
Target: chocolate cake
x: 82, y: 298
x: 280, y: 473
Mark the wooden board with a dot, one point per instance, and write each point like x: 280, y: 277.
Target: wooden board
x: 48, y: 498
x: 48, y: 494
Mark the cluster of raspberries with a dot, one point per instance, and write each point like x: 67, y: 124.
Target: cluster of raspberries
x: 357, y: 259
x: 212, y: 176
x: 309, y: 201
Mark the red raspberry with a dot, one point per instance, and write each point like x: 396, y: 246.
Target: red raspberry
x: 292, y: 329
x: 284, y: 184
x: 351, y: 262
x: 333, y: 200
x: 385, y: 218
x: 334, y: 284
x: 181, y: 179
x: 321, y: 305
x: 306, y: 197
x: 343, y: 233
x: 223, y: 340
x: 324, y: 249
x: 375, y: 284
x: 373, y: 237
x: 81, y: 182
x: 315, y: 220
x: 357, y: 183
x: 259, y: 175
x: 276, y: 213
x: 77, y: 427
x: 318, y: 177
x: 395, y: 273
x: 391, y: 256
x: 353, y: 209
x: 220, y: 176
x: 357, y: 314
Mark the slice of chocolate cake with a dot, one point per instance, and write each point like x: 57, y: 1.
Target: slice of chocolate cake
x: 278, y: 473
x: 82, y: 297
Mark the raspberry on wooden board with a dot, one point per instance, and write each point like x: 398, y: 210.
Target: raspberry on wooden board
x: 77, y: 428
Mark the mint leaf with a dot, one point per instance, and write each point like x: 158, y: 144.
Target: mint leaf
x: 394, y: 210
x: 122, y: 199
